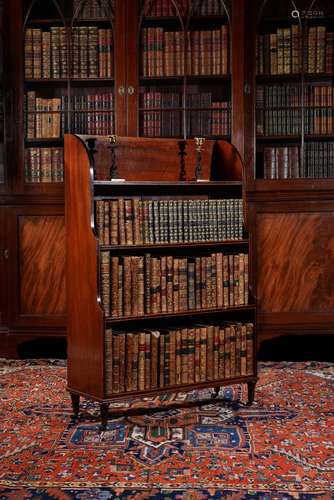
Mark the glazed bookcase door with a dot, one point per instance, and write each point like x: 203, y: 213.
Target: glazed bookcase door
x: 208, y: 69
x: 184, y: 61
x: 46, y: 72
x: 91, y: 101
x: 295, y: 91
x: 68, y: 80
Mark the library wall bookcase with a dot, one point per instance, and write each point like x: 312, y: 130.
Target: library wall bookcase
x: 107, y: 67
x: 289, y: 162
x: 157, y: 269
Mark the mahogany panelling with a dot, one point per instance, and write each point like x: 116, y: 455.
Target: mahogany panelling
x: 295, y: 262
x: 42, y: 264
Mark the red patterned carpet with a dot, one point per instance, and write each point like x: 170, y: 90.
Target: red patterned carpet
x: 281, y: 448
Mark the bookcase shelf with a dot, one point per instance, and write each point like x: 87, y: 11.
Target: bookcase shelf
x: 182, y: 314
x: 294, y: 93
x: 160, y: 246
x: 138, y: 312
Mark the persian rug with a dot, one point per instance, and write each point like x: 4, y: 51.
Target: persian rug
x: 280, y: 448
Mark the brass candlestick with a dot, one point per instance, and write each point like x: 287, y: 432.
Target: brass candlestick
x: 199, y: 141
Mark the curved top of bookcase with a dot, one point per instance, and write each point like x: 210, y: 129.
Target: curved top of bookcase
x: 166, y: 160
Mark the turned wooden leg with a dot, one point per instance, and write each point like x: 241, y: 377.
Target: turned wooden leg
x: 214, y: 395
x: 75, y: 403
x: 104, y: 407
x: 251, y: 392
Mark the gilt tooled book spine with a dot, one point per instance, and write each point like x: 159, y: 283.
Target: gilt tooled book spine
x: 108, y: 361
x: 178, y: 354
x: 221, y: 370
x: 249, y: 348
x: 184, y: 356
x: 128, y: 222
x: 155, y: 338
x: 105, y: 282
x: 147, y: 361
x: 197, y: 354
x: 141, y: 361
x: 129, y: 361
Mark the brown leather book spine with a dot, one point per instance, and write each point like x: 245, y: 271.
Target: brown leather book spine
x: 113, y: 209
x: 121, y: 222
x: 128, y: 222
x: 227, y: 352
x: 172, y: 356
x: 197, y: 354
x: 127, y: 286
x: 105, y: 282
x: 250, y: 348
x: 221, y: 352
x: 178, y: 353
x: 114, y: 287
x: 129, y: 361
x: 161, y: 360
x: 108, y: 364
x: 141, y: 361
x: 120, y: 290
x: 155, y: 337
x: 141, y: 285
x: 147, y: 361
x: 176, y: 285
x: 243, y: 351
x: 184, y: 356
x: 203, y: 354
x: 169, y: 283
x: 232, y: 350
x: 216, y: 352
x: 191, y: 355
x: 138, y: 222
x: 115, y: 364
x: 163, y: 264
x: 135, y: 362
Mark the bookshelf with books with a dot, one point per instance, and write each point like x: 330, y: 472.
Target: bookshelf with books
x: 184, y: 69
x: 69, y: 74
x: 161, y: 293
x: 289, y: 151
x: 294, y: 92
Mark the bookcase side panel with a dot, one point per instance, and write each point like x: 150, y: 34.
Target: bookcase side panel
x: 85, y: 324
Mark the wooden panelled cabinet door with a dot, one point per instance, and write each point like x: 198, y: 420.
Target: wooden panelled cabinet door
x: 36, y: 266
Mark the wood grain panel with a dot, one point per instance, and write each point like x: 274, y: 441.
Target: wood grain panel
x: 42, y: 264
x: 295, y: 262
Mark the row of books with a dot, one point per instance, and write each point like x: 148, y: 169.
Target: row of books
x: 46, y: 53
x: 281, y: 52
x: 139, y: 285
x: 166, y: 8
x: 163, y: 52
x: 151, y: 359
x: 281, y: 162
x: 90, y: 114
x: 319, y: 160
x: 136, y: 222
x: 284, y: 162
x: 278, y: 96
x: 43, y: 117
x: 208, y: 118
x: 44, y: 164
x: 93, y: 9
x: 318, y: 121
